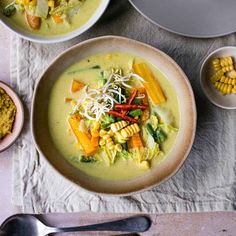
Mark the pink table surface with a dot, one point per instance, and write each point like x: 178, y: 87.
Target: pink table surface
x: 200, y: 224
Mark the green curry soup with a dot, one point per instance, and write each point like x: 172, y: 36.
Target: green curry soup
x: 49, y: 17
x: 104, y: 123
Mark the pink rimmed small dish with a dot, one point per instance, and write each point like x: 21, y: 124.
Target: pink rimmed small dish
x: 8, y: 140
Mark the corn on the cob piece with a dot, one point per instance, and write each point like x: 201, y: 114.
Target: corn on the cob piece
x: 224, y: 88
x: 227, y: 68
x: 217, y: 76
x: 118, y: 125
x: 216, y: 64
x: 224, y: 78
x: 130, y: 130
x: 110, y: 144
x: 106, y: 140
x: 226, y: 61
x: 102, y: 132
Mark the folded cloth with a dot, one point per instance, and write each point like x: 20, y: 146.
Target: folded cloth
x: 207, y: 180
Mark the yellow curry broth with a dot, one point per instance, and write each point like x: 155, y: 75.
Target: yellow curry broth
x: 59, y: 111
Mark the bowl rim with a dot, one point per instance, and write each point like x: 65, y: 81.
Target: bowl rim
x: 21, y: 110
x: 201, y: 76
x: 188, y: 35
x: 61, y: 37
x: 194, y: 116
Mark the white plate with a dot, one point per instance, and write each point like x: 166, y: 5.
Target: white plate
x: 193, y: 18
x: 59, y: 38
x: 228, y: 101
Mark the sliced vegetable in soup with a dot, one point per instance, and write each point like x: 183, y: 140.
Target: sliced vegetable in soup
x: 113, y: 115
x: 49, y: 17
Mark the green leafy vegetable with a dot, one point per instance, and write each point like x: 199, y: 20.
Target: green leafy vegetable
x: 151, y: 131
x: 103, y: 78
x: 160, y: 136
x: 9, y: 10
x: 95, y: 67
x: 107, y: 120
x: 109, y: 155
x: 85, y: 159
x: 137, y: 101
x: 153, y: 152
x: 135, y: 113
x: 168, y: 128
x: 42, y: 8
x: 73, y: 158
x: 124, y: 153
x: 124, y: 146
x: 154, y: 121
x: 68, y: 8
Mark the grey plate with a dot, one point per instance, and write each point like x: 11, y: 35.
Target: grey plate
x: 193, y: 18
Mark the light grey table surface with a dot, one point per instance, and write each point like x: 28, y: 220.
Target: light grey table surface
x: 200, y: 224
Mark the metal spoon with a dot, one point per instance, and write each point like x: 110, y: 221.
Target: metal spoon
x: 28, y: 225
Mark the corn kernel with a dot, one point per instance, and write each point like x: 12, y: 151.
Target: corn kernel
x: 51, y: 4
x: 106, y: 137
x: 145, y: 165
x: 102, y: 142
x: 110, y: 132
x: 118, y: 147
x: 102, y: 132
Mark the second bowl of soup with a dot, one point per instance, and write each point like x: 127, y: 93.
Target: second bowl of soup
x: 50, y: 21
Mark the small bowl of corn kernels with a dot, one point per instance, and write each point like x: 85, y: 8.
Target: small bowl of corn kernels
x: 218, y: 77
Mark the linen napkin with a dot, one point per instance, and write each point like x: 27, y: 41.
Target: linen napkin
x: 207, y: 180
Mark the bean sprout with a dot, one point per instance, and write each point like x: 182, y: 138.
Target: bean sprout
x: 96, y: 102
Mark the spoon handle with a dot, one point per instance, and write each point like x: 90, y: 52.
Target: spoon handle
x: 132, y: 224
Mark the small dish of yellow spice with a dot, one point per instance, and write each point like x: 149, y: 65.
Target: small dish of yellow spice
x: 218, y: 77
x: 11, y: 116
x: 7, y: 114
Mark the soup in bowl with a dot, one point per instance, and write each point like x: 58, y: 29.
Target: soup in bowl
x: 115, y: 120
x: 48, y: 21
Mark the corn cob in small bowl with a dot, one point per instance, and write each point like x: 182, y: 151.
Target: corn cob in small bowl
x: 218, y: 77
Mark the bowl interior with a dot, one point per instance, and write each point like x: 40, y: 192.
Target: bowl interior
x: 58, y: 38
x: 155, y: 176
x: 227, y: 101
x: 19, y: 119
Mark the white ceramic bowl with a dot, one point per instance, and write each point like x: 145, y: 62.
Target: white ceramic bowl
x: 227, y: 101
x: 58, y: 38
x: 19, y: 119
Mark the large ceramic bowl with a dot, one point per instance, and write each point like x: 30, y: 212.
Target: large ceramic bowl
x: 58, y: 38
x: 164, y: 63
